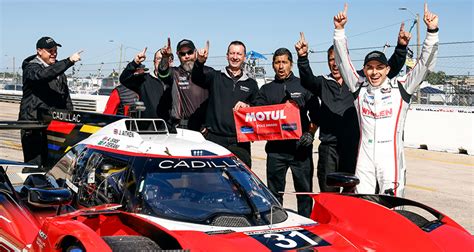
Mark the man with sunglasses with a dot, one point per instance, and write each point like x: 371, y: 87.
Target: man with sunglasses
x: 44, y: 87
x: 189, y: 101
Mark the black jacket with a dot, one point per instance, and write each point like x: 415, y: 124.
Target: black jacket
x: 151, y: 90
x: 224, y: 93
x: 44, y: 87
x: 338, y: 117
x: 277, y: 92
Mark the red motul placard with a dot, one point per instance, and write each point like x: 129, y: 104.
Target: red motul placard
x: 273, y: 122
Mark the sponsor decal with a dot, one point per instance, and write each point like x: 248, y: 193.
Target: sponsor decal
x: 109, y: 142
x: 42, y: 235
x: 377, y: 115
x: 295, y: 95
x: 195, y: 164
x: 386, y: 97
x: 289, y: 126
x: 202, y: 153
x: 183, y: 82
x: 245, y: 89
x: 288, y: 239
x: 68, y: 117
x: 123, y: 133
x: 246, y: 130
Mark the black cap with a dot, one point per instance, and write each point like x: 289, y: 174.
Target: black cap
x: 47, y: 43
x: 377, y: 56
x: 185, y: 43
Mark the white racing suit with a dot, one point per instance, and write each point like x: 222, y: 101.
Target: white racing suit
x: 382, y: 111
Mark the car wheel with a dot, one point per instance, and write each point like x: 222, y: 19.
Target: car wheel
x: 131, y: 243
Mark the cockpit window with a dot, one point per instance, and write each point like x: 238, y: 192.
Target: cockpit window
x: 200, y: 190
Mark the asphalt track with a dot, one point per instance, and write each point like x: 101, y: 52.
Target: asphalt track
x: 440, y: 180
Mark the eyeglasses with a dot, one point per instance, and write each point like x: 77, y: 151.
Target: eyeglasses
x: 182, y: 54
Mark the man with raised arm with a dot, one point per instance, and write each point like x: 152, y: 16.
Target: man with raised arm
x: 229, y: 89
x: 44, y: 87
x: 382, y: 104
x: 189, y: 101
x: 339, y: 128
x: 147, y: 85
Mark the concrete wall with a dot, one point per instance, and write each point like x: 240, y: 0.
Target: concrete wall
x: 440, y: 128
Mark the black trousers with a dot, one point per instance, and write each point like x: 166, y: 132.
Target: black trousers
x: 241, y: 150
x: 335, y: 158
x: 34, y: 145
x: 302, y: 169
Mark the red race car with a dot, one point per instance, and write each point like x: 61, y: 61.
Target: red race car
x: 135, y: 186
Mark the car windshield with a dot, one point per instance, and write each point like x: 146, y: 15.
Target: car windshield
x: 201, y: 189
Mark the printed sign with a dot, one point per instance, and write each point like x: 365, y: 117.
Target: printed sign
x: 273, y: 122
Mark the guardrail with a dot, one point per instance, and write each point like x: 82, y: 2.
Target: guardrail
x: 88, y: 103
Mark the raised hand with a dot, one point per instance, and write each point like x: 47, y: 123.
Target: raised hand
x: 140, y: 57
x: 166, y: 50
x: 76, y: 56
x: 431, y: 19
x: 340, y: 19
x: 203, y: 53
x: 302, y: 46
x: 403, y: 36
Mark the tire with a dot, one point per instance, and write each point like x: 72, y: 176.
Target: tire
x: 130, y: 243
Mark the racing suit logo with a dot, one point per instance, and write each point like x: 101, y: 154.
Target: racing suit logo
x: 377, y: 115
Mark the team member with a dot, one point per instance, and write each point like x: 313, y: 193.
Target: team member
x: 120, y: 101
x: 229, y: 89
x: 296, y: 154
x: 188, y: 99
x: 147, y: 85
x: 44, y: 87
x: 382, y: 105
x: 339, y: 128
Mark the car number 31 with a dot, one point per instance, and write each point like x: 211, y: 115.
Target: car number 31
x: 294, y: 239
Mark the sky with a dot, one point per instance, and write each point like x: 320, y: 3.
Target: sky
x: 102, y: 27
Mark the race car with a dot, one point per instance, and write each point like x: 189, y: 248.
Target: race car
x: 133, y: 184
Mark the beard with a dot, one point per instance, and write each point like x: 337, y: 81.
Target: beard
x: 188, y: 66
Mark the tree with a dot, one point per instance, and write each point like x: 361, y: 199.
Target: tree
x: 436, y: 78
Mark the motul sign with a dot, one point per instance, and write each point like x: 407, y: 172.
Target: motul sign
x: 265, y: 116
x: 274, y: 122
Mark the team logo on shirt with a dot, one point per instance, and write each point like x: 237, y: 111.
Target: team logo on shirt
x: 385, y: 90
x: 245, y: 89
x: 377, y: 115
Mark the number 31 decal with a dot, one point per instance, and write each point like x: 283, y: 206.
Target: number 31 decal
x: 292, y: 239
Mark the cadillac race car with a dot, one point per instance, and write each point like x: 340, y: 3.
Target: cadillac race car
x: 133, y: 185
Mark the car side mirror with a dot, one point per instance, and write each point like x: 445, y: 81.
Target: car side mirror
x: 49, y: 197
x: 347, y: 181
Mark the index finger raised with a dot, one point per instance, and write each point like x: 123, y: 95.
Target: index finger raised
x: 169, y: 42
x: 345, y: 8
x: 426, y: 8
x: 302, y: 36
x: 207, y: 45
x: 80, y: 51
x: 144, y: 50
x: 402, y: 26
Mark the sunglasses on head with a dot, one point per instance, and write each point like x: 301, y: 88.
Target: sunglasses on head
x: 190, y: 52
